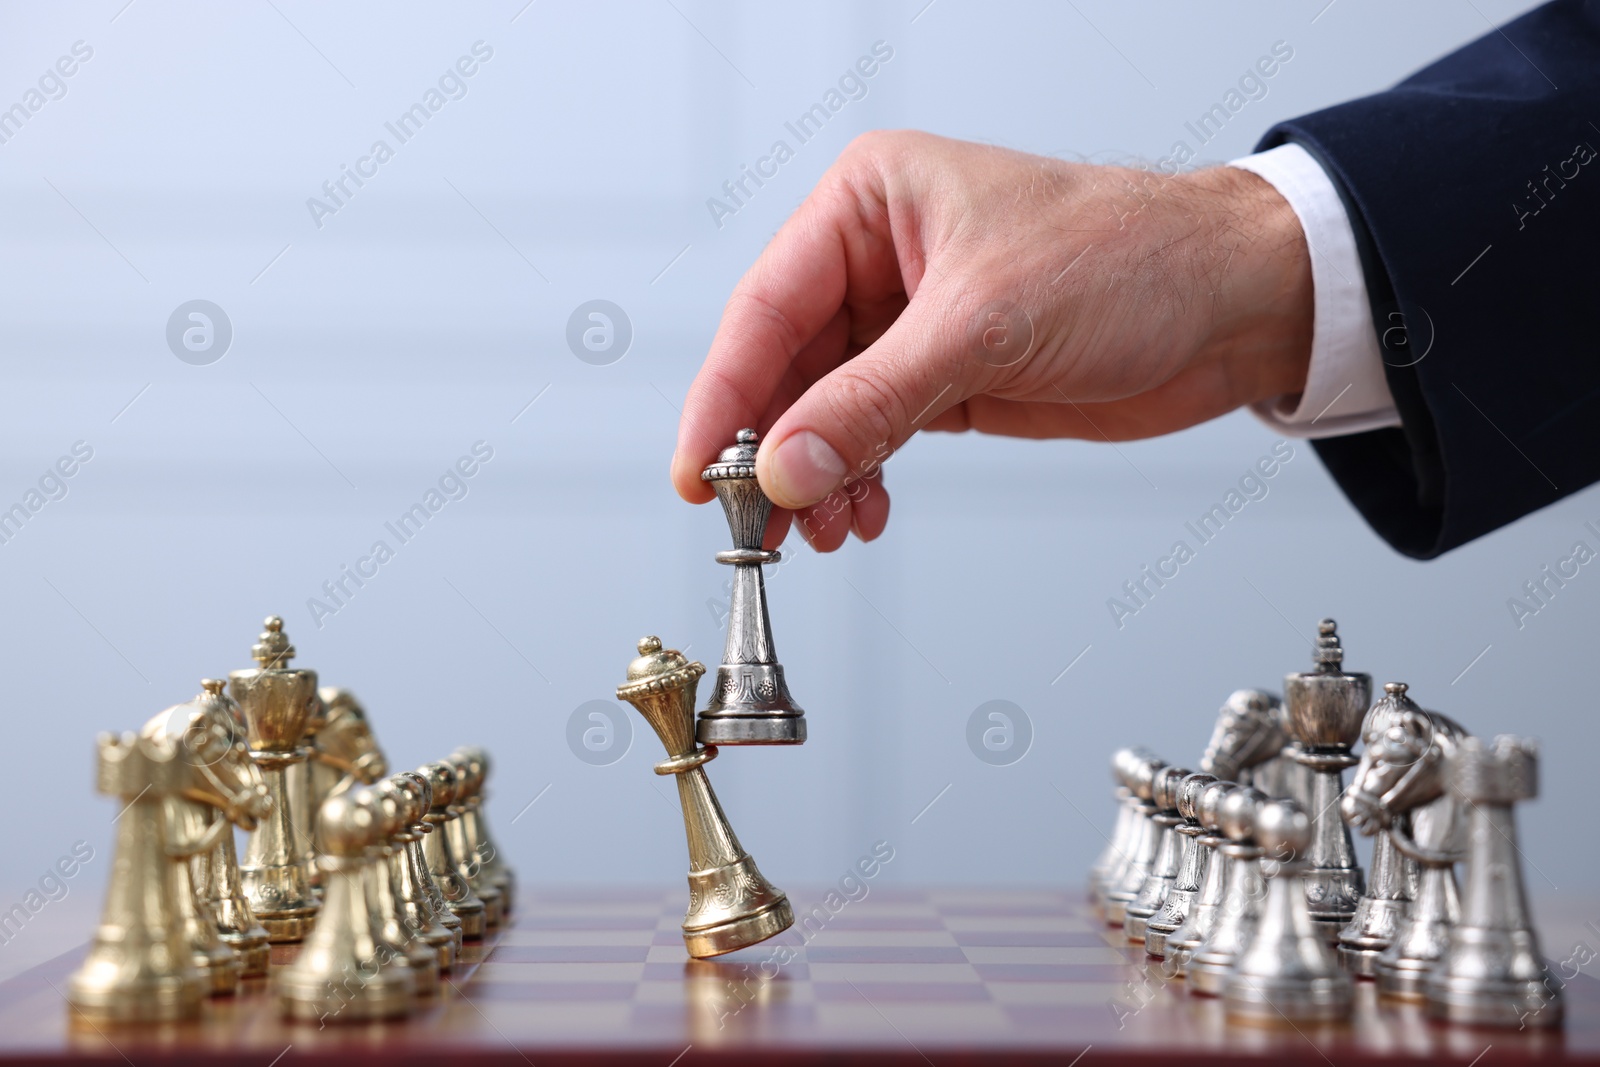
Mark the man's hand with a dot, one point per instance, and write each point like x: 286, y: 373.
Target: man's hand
x: 933, y: 284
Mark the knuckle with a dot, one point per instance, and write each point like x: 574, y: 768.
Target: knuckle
x: 762, y: 318
x: 867, y: 407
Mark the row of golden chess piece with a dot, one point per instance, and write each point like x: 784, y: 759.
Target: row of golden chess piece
x: 185, y: 917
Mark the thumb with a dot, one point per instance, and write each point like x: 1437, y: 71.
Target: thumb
x: 850, y: 421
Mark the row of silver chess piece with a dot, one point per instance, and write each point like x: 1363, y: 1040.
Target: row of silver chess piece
x: 1243, y: 881
x: 381, y: 877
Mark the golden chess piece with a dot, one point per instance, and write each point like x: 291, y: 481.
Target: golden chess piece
x: 221, y: 778
x: 439, y: 851
x: 216, y: 877
x: 139, y: 967
x: 345, y: 971
x: 731, y: 906
x: 384, y: 900
x: 344, y: 751
x: 421, y: 828
x: 275, y: 700
x: 307, y: 803
x: 495, y: 868
x: 463, y: 848
x: 406, y: 873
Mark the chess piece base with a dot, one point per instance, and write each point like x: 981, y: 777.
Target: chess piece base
x: 1155, y: 942
x: 253, y: 953
x: 282, y: 929
x: 220, y: 971
x: 1206, y: 978
x: 472, y: 921
x: 162, y: 1001
x: 493, y: 915
x: 423, y: 959
x: 1359, y: 962
x: 1329, y: 928
x: 751, y: 730
x: 385, y: 996
x: 1403, y: 980
x: 742, y: 932
x: 1317, y: 1000
x: 1501, y: 1004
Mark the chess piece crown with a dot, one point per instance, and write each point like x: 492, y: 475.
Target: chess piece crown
x: 749, y: 702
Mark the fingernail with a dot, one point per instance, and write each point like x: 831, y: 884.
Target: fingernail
x: 803, y: 470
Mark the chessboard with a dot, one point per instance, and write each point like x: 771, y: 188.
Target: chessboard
x: 935, y: 977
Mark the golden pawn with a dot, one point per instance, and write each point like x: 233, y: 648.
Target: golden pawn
x: 439, y: 851
x: 275, y: 701
x: 406, y: 872
x: 139, y: 968
x: 384, y: 899
x: 419, y: 829
x: 463, y: 845
x: 495, y: 868
x: 346, y: 972
x: 731, y: 906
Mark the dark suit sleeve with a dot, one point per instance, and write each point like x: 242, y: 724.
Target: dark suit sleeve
x: 1474, y: 189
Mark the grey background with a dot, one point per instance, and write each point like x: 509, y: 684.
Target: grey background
x: 369, y: 354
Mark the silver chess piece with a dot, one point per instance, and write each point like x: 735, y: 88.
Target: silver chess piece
x: 750, y: 702
x: 1325, y: 709
x: 1286, y: 972
x: 1387, y: 900
x: 1192, y: 861
x: 1164, y: 869
x: 1180, y: 944
x: 1491, y: 973
x: 1247, y: 741
x: 1113, y: 861
x: 1400, y: 788
x: 1242, y: 893
x: 1146, y: 840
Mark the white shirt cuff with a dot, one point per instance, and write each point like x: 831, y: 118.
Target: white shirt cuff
x: 1346, y: 391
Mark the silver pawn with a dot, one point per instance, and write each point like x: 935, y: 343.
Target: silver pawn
x: 1242, y: 894
x: 1286, y: 972
x: 1191, y: 868
x: 1146, y: 841
x: 1325, y: 709
x: 1181, y: 943
x: 1164, y: 870
x: 1491, y: 974
x: 1113, y: 859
